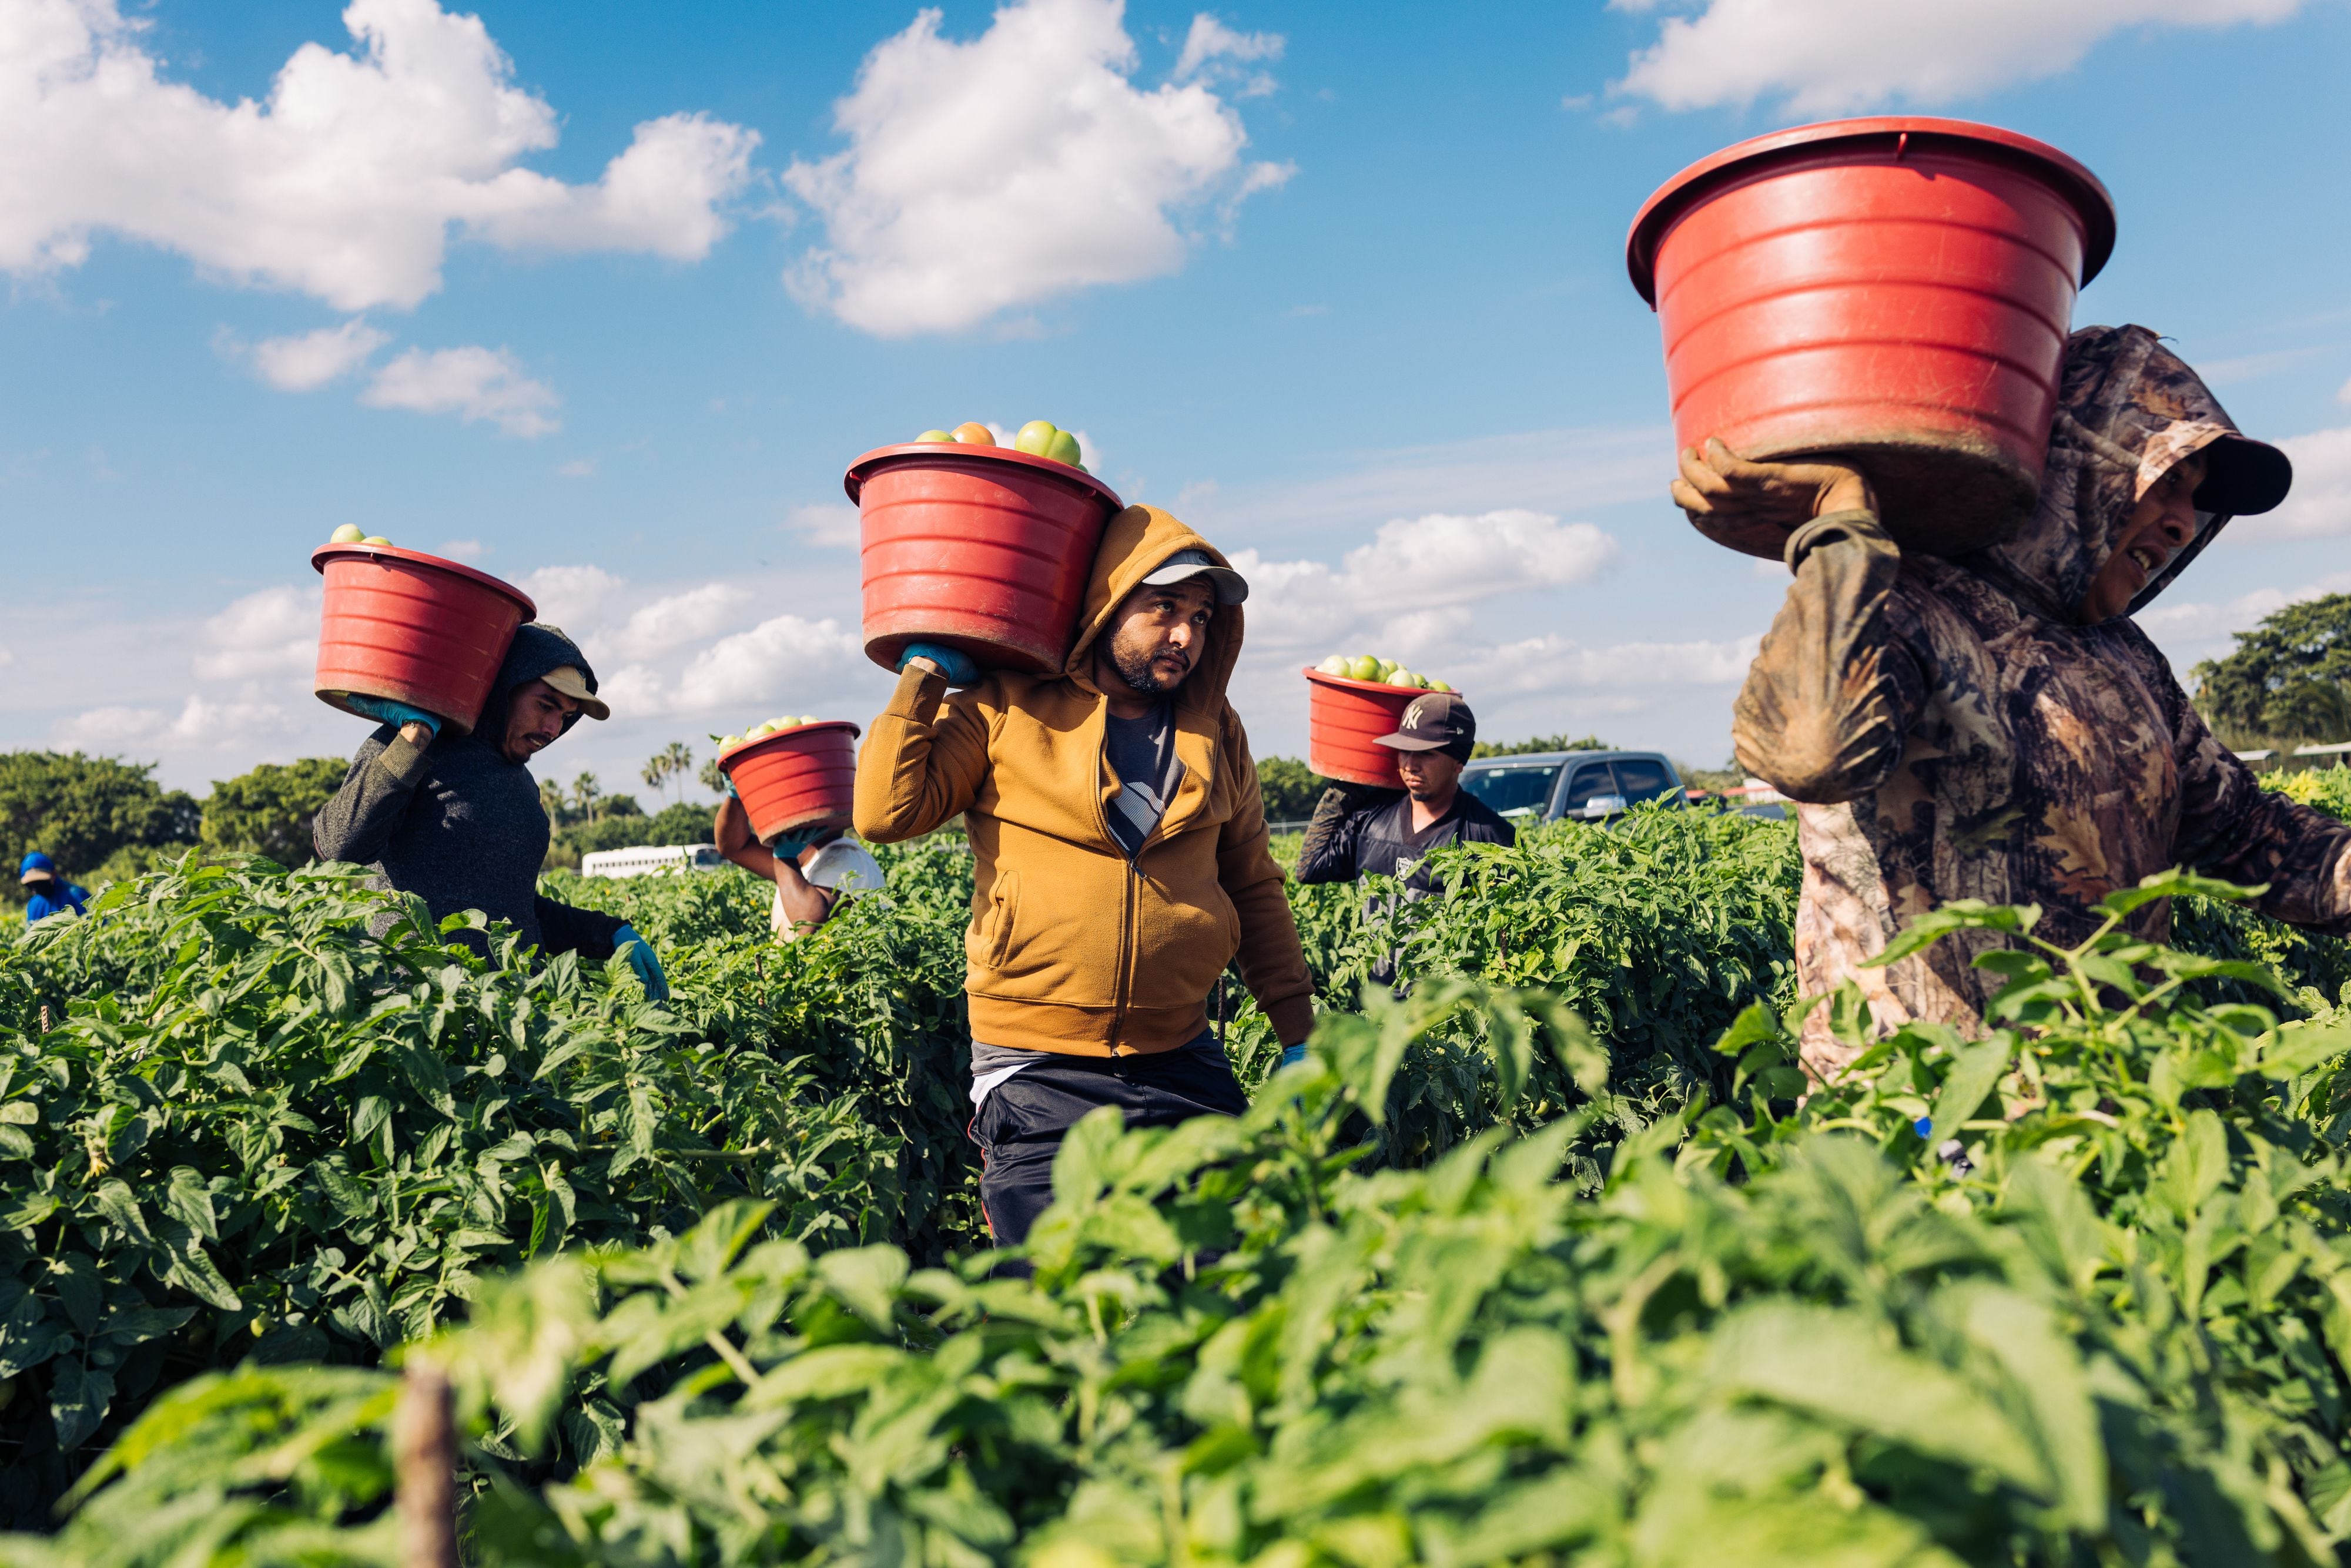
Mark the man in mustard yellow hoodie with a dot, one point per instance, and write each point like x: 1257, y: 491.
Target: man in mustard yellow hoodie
x: 1119, y: 839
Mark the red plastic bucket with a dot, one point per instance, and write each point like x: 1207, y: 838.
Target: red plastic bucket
x: 981, y: 547
x: 1344, y: 719
x: 805, y: 777
x: 1895, y: 291
x: 411, y: 627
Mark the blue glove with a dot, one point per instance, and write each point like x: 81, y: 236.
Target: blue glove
x: 628, y: 945
x: 1291, y: 1055
x: 384, y: 710
x: 727, y: 782
x: 787, y: 846
x: 959, y: 668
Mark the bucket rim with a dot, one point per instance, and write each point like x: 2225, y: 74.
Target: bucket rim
x: 743, y: 748
x: 1694, y: 184
x: 1324, y: 677
x: 324, y: 553
x: 853, y: 480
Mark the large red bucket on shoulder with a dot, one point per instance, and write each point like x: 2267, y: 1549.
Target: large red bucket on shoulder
x: 1893, y: 292
x: 805, y: 777
x: 982, y: 549
x: 411, y: 627
x: 1344, y: 720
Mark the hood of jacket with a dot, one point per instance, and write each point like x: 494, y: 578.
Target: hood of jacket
x: 2128, y: 410
x: 537, y: 648
x: 1137, y: 542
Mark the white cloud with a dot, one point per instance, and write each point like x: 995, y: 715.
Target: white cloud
x: 1412, y: 570
x: 310, y: 360
x: 272, y: 633
x: 787, y: 656
x: 829, y: 526
x: 345, y: 183
x: 987, y: 176
x: 237, y: 728
x: 571, y: 595
x: 472, y: 381
x: 1551, y: 661
x: 1827, y: 57
x: 2320, y: 502
x: 1210, y: 44
x: 678, y: 619
x: 577, y: 468
x: 462, y: 550
x: 2343, y: 393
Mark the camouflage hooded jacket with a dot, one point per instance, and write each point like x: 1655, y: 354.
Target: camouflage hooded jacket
x: 1951, y: 729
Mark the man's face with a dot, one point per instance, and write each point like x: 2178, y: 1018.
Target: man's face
x: 535, y: 719
x: 1159, y: 633
x: 2158, y: 528
x: 1428, y: 775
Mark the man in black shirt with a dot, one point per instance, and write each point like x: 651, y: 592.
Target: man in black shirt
x: 1359, y: 830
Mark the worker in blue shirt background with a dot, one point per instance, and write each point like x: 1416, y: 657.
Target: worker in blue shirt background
x: 47, y: 891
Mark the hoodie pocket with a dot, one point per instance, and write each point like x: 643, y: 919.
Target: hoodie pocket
x: 1003, y: 913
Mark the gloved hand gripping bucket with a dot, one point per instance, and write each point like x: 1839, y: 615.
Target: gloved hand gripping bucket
x: 982, y: 548
x: 1344, y: 720
x: 1894, y: 293
x: 413, y: 628
x: 804, y: 777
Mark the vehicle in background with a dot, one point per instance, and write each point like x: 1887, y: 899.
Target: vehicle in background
x: 1753, y: 798
x: 1588, y: 786
x: 640, y: 860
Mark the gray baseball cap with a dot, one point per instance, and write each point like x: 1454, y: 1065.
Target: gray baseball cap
x: 1230, y: 586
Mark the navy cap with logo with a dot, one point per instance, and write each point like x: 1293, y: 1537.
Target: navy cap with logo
x: 1229, y: 586
x: 1436, y: 721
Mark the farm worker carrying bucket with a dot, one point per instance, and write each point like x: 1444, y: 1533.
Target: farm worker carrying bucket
x: 46, y: 892
x: 1996, y: 727
x: 1119, y: 844
x: 814, y: 869
x: 1358, y: 829
x: 455, y: 818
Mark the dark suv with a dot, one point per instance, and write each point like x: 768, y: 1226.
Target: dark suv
x: 1543, y: 786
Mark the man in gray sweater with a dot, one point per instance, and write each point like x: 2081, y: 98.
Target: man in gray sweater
x: 456, y: 820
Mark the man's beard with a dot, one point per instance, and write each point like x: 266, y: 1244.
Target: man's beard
x: 1134, y: 667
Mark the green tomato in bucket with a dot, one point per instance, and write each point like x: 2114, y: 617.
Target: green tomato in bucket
x: 348, y: 534
x: 1336, y: 664
x: 934, y: 435
x: 1363, y: 667
x: 1036, y: 438
x: 1065, y: 449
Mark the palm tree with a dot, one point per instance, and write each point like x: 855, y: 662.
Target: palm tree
x: 713, y: 777
x: 680, y: 758
x: 553, y: 801
x: 586, y: 796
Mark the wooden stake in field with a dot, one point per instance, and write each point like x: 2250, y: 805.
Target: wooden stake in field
x: 424, y: 1465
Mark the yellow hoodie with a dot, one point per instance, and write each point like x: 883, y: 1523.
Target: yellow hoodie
x: 1072, y: 946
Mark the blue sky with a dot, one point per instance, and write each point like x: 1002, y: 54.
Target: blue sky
x: 603, y: 298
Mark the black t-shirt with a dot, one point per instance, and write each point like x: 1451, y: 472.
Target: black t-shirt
x: 1379, y: 839
x: 1142, y: 754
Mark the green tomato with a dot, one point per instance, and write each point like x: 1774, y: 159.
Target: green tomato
x: 934, y: 435
x: 1036, y: 438
x: 1065, y: 449
x: 1336, y: 664
x: 348, y: 534
x: 375, y: 539
x: 1405, y: 678
x: 1440, y: 686
x: 1363, y: 667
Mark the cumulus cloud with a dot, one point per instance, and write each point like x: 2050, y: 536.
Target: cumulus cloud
x: 239, y: 726
x: 2319, y: 505
x: 571, y: 595
x: 1828, y: 56
x: 832, y: 527
x: 677, y: 618
x: 778, y: 658
x: 983, y: 176
x: 310, y: 360
x: 472, y: 382
x: 1550, y: 662
x: 346, y: 182
x: 1212, y: 48
x: 1412, y: 582
x: 272, y: 633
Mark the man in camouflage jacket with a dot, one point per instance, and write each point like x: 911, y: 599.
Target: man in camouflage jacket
x: 1995, y: 726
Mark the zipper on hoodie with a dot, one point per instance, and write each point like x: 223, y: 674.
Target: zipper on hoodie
x: 1123, y: 992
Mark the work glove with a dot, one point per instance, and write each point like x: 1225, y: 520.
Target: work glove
x: 787, y: 846
x: 627, y: 944
x: 727, y: 785
x: 1291, y: 1055
x: 959, y: 668
x: 386, y: 711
